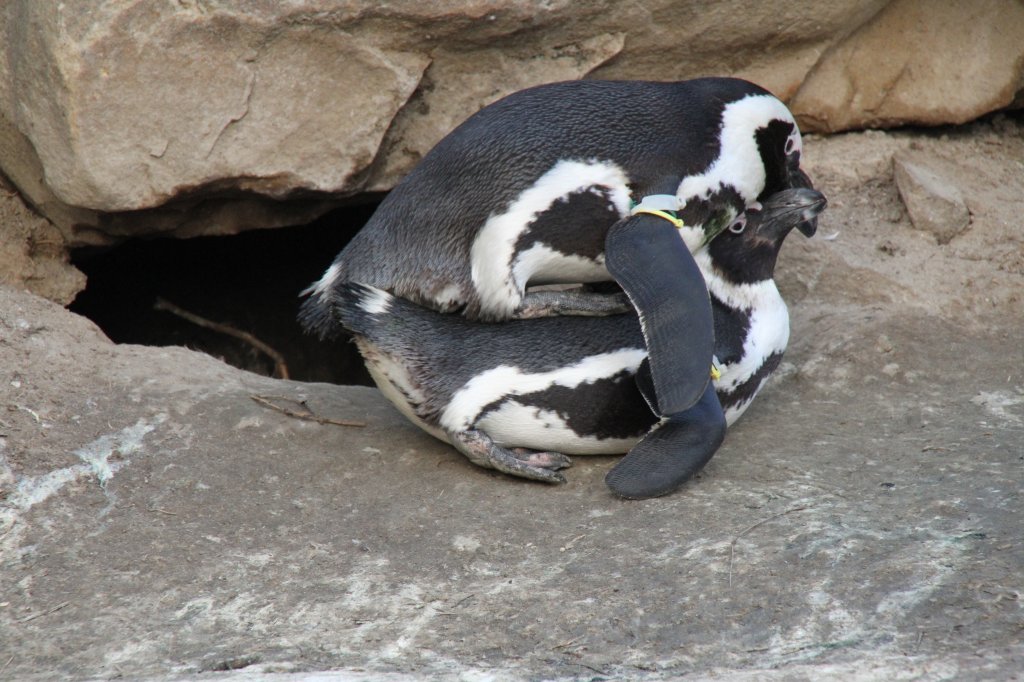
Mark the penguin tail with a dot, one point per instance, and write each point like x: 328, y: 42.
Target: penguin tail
x: 316, y: 318
x: 362, y: 309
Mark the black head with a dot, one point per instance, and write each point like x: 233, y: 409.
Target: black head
x: 746, y: 251
x: 759, y: 151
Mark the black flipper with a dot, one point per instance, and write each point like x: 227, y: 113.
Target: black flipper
x: 648, y: 258
x: 671, y: 452
x: 645, y: 383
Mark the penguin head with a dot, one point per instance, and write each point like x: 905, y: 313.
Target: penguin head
x: 747, y: 249
x: 780, y: 146
x: 759, y: 150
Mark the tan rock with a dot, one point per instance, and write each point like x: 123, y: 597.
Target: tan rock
x: 932, y: 198
x: 942, y: 61
x: 128, y: 105
x: 33, y: 253
x: 215, y: 116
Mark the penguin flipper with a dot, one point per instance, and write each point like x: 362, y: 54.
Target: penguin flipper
x: 573, y: 302
x: 671, y: 452
x: 647, y: 257
x: 482, y: 451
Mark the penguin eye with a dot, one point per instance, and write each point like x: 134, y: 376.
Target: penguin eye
x: 738, y: 225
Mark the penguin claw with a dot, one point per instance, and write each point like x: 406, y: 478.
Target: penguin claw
x: 544, y: 460
x: 482, y: 451
x: 580, y: 303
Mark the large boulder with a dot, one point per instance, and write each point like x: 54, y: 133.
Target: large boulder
x: 211, y: 117
x: 944, y: 61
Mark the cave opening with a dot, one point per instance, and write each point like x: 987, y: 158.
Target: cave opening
x: 225, y: 295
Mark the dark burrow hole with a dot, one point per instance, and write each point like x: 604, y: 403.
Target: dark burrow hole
x: 249, y: 282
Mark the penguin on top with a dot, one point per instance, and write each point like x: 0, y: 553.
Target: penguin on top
x: 525, y: 190
x: 520, y: 396
x: 580, y: 182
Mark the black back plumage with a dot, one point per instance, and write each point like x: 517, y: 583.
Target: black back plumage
x: 418, y: 241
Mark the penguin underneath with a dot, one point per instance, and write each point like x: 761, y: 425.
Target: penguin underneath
x: 564, y: 183
x: 522, y: 395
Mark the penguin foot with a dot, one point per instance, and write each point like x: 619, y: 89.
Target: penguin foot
x: 671, y: 452
x: 545, y: 460
x: 551, y: 303
x: 531, y: 464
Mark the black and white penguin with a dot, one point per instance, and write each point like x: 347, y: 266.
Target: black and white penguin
x: 520, y: 396
x: 571, y: 183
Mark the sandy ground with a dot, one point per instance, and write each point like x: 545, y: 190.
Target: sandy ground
x: 862, y: 521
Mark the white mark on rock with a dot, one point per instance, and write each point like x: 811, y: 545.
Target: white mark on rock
x: 248, y: 422
x: 997, y: 402
x: 465, y: 543
x: 96, y: 461
x: 125, y: 442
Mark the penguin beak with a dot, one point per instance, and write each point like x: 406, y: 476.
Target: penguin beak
x: 798, y: 207
x: 799, y: 179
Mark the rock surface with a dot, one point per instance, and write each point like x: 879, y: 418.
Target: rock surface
x: 210, y: 117
x: 32, y: 251
x: 860, y: 521
x: 935, y: 204
x: 918, y: 62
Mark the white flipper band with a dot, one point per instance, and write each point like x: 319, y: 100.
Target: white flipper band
x: 661, y: 205
x: 657, y: 202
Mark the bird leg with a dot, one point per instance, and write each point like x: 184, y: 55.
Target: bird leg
x: 482, y: 451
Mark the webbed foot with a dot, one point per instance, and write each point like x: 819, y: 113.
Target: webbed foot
x: 531, y: 464
x: 542, y: 458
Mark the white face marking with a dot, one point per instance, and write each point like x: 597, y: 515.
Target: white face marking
x: 503, y: 381
x: 524, y: 426
x: 494, y: 247
x: 693, y: 237
x: 739, y: 162
x: 794, y: 143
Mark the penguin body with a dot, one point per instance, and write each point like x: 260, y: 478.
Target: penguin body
x: 524, y: 192
x: 520, y: 395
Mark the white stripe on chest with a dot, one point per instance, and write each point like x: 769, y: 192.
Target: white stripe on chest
x: 768, y: 333
x: 494, y: 384
x: 492, y: 255
x: 527, y: 426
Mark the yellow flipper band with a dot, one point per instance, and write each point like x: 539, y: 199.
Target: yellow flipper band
x: 661, y: 214
x: 716, y: 373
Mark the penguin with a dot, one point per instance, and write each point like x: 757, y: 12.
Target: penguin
x: 521, y: 396
x: 572, y: 182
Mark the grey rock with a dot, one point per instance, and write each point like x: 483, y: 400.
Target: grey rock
x: 932, y: 199
x: 157, y: 522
